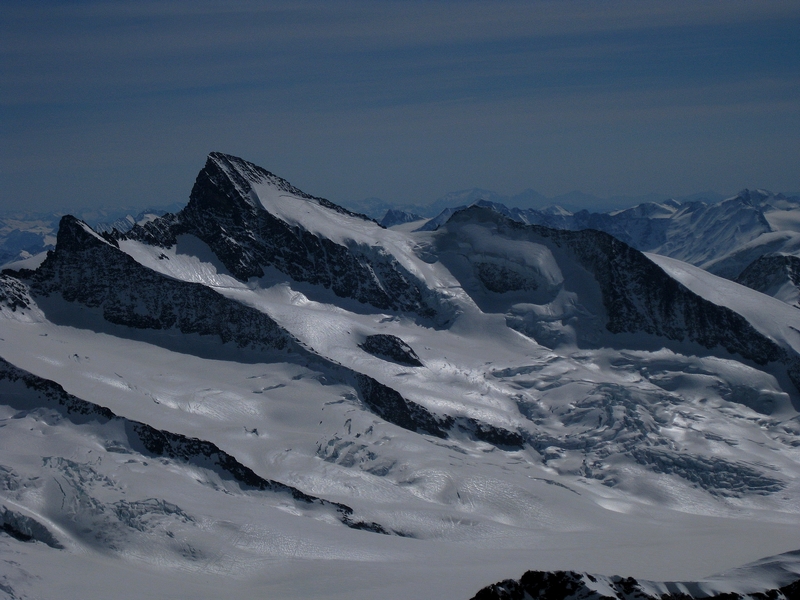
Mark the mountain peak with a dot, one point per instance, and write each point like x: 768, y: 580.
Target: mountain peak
x: 489, y: 384
x: 253, y: 220
x: 227, y: 181
x: 244, y: 174
x: 234, y: 164
x: 754, y: 197
x: 74, y: 234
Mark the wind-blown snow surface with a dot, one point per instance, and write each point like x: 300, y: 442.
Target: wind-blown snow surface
x: 631, y: 452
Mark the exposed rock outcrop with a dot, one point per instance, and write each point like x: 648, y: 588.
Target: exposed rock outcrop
x: 562, y: 585
x: 776, y: 275
x: 390, y: 347
x: 224, y: 211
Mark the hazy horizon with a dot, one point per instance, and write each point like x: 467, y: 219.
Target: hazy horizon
x: 114, y: 104
x: 572, y: 200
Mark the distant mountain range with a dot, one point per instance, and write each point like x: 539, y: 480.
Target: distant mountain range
x: 527, y: 199
x: 726, y: 236
x: 23, y: 233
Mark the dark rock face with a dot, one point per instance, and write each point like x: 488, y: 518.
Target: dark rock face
x: 768, y: 273
x: 562, y: 585
x: 640, y: 296
x: 501, y: 279
x: 539, y: 584
x: 13, y: 293
x: 441, y: 218
x: 93, y: 272
x: 391, y: 406
x: 26, y: 529
x: 392, y: 348
x: 224, y: 213
x: 497, y: 436
x: 90, y: 270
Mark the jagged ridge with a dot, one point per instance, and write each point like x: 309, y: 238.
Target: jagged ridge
x: 89, y: 270
x: 768, y: 274
x: 225, y: 213
x: 695, y: 232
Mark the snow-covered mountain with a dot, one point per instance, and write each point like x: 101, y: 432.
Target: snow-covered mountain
x: 695, y: 232
x: 527, y: 199
x: 25, y: 234
x: 724, y: 238
x: 399, y: 217
x: 265, y: 394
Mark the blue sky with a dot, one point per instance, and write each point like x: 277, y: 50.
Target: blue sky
x: 118, y: 103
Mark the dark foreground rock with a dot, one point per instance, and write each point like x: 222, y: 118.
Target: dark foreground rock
x: 569, y: 585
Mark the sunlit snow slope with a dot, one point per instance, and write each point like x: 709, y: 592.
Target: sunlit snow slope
x: 266, y: 395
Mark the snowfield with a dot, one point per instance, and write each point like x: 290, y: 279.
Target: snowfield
x: 147, y: 453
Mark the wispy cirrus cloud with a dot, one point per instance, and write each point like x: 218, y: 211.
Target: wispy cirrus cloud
x: 121, y: 84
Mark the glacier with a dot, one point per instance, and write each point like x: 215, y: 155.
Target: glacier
x: 265, y: 394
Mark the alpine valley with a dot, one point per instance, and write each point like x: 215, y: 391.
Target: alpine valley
x: 266, y: 395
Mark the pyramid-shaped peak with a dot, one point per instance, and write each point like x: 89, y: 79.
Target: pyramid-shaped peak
x: 225, y: 170
x: 237, y: 167
x: 229, y: 180
x: 74, y: 234
x: 240, y: 169
x: 231, y: 184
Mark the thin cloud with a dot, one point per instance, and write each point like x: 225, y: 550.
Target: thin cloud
x: 473, y: 93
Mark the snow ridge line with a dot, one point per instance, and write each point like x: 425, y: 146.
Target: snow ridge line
x: 148, y: 440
